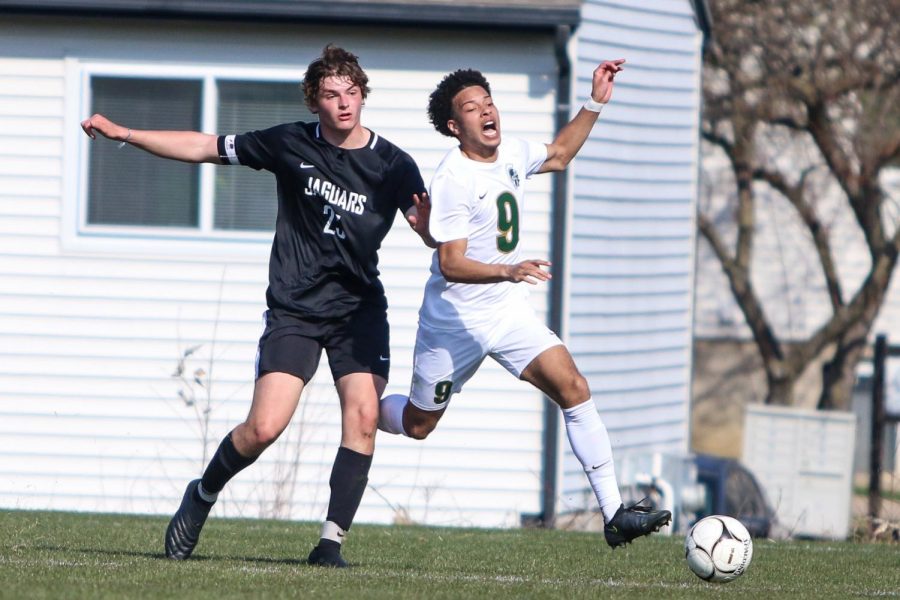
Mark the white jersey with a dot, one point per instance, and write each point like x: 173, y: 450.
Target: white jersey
x: 483, y: 203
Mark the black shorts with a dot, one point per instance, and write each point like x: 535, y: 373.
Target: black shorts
x: 357, y: 343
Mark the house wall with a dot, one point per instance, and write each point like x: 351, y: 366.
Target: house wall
x: 632, y: 230
x: 91, y: 330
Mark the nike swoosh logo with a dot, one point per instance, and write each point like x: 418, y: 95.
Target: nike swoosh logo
x: 595, y: 467
x: 305, y: 165
x: 384, y: 358
x: 341, y: 534
x: 481, y: 197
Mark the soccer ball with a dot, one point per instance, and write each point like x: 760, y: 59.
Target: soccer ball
x: 718, y: 549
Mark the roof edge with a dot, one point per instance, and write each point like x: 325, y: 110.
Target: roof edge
x: 320, y: 11
x: 703, y: 15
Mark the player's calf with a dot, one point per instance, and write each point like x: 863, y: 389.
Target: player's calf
x: 398, y: 415
x: 420, y: 423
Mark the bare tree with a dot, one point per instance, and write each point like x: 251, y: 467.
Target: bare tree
x: 822, y: 74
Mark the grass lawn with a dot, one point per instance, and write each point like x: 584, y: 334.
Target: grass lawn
x: 72, y: 555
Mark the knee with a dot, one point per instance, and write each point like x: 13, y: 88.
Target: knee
x: 365, y: 420
x: 581, y: 390
x: 575, y: 392
x: 261, y: 435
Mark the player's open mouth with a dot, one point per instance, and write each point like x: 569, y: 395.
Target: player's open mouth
x: 489, y: 129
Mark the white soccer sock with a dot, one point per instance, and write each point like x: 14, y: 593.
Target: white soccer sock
x: 332, y: 531
x: 390, y: 413
x: 590, y: 443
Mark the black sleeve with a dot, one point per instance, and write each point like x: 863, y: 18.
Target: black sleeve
x: 256, y: 149
x: 408, y: 181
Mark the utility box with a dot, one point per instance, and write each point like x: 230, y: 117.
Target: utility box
x: 804, y: 460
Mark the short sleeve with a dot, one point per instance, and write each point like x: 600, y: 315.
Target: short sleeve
x: 409, y: 181
x: 255, y: 149
x: 449, y: 209
x: 535, y: 155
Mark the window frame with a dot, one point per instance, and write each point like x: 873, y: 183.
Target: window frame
x: 79, y: 235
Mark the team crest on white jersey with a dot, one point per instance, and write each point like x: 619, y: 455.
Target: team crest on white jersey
x: 513, y: 175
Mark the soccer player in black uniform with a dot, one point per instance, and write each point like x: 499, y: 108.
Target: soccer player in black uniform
x: 339, y: 188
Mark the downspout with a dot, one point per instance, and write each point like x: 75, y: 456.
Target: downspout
x: 558, y: 235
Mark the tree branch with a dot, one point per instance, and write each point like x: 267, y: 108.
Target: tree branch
x: 820, y: 129
x: 795, y: 195
x: 789, y: 122
x: 864, y: 305
x: 857, y: 190
x: 889, y: 152
x: 719, y: 141
x: 742, y: 288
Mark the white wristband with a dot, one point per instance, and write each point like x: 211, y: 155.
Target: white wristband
x: 594, y: 106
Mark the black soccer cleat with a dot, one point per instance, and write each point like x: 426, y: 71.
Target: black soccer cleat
x: 183, y: 531
x: 633, y: 522
x: 327, y: 554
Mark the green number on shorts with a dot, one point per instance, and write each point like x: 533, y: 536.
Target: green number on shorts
x: 507, y: 222
x: 442, y: 391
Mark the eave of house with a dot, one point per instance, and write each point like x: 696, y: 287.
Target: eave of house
x: 499, y: 14
x: 703, y: 16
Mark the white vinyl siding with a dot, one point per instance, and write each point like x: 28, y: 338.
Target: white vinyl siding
x: 90, y: 333
x: 631, y: 248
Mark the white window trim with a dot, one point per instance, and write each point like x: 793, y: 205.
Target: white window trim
x: 79, y: 237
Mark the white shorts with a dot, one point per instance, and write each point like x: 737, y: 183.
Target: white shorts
x: 445, y: 359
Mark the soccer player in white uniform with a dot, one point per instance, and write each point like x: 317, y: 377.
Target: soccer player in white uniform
x: 474, y: 305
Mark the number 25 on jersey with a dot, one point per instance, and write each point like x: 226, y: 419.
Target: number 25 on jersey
x: 331, y: 225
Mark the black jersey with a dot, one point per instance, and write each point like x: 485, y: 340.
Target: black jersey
x: 335, y: 206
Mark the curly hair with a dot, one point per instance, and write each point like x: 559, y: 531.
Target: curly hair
x: 440, y: 102
x: 334, y: 62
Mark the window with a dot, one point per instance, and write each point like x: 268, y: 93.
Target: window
x: 158, y: 193
x: 244, y: 198
x: 172, y: 198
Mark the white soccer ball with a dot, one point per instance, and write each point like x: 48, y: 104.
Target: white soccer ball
x: 718, y: 548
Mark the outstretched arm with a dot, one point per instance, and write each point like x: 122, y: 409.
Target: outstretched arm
x: 186, y: 146
x: 571, y: 137
x: 458, y: 268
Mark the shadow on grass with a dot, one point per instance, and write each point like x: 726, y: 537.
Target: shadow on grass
x: 162, y: 557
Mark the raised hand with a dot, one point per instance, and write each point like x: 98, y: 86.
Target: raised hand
x: 602, y: 84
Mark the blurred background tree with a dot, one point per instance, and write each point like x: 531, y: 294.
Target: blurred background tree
x: 803, y: 97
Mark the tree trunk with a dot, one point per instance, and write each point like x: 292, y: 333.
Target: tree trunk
x: 838, y: 376
x: 780, y: 390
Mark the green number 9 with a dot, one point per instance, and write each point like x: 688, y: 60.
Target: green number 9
x: 442, y: 391
x: 507, y: 222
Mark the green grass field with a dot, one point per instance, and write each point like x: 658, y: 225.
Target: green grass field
x: 67, y: 555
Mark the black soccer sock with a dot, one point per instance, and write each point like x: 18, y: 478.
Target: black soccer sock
x: 225, y: 464
x: 349, y: 477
